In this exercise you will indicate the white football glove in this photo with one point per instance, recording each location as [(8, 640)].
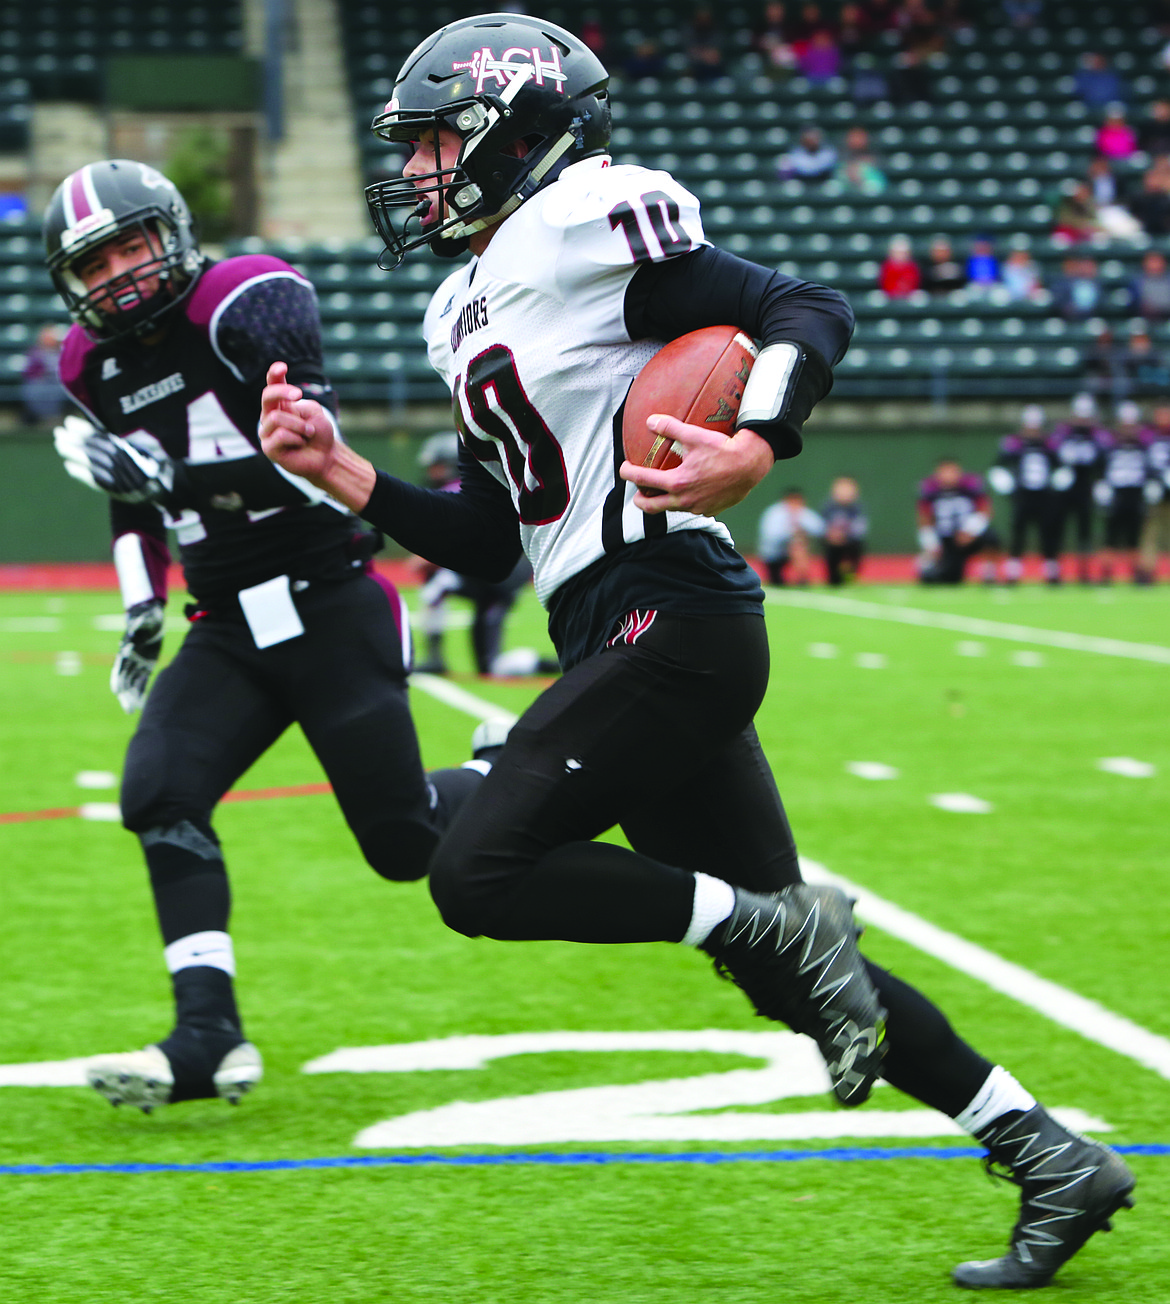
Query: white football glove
[(1103, 493), (1153, 492), (111, 464), (138, 653), (1062, 478), (1001, 480)]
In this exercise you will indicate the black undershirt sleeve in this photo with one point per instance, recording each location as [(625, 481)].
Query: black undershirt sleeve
[(710, 287), (474, 531)]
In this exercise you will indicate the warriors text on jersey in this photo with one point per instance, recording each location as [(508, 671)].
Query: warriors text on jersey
[(194, 393), (532, 340)]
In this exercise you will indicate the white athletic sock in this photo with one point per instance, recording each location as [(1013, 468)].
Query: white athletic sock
[(211, 948), (714, 901), (999, 1095)]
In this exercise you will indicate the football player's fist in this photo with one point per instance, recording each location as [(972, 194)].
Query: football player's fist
[(298, 435)]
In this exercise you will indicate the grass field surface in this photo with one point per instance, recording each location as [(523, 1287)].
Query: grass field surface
[(990, 767)]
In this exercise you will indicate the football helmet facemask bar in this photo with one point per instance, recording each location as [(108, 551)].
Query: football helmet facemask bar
[(526, 99), (113, 198)]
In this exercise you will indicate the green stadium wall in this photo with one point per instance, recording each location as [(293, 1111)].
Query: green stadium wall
[(46, 516)]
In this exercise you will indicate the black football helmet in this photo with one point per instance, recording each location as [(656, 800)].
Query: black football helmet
[(105, 199), (495, 79)]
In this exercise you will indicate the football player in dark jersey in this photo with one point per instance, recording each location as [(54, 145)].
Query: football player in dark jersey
[(1025, 471), (581, 268), (1156, 529), (954, 525), (1079, 443), (1126, 476), (289, 621)]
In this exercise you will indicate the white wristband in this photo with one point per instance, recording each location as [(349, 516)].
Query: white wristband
[(769, 387), (133, 577)]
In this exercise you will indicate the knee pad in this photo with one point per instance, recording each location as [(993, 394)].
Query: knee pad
[(179, 849), (399, 850)]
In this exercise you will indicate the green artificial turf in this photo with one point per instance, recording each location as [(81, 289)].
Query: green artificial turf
[(1066, 875)]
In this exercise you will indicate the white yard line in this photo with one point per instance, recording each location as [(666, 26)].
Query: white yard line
[(1057, 1003), (443, 690), (1109, 647)]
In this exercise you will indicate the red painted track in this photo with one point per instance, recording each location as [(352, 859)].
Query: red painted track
[(240, 794)]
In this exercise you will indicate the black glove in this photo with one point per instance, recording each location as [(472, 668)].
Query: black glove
[(138, 653), (113, 464)]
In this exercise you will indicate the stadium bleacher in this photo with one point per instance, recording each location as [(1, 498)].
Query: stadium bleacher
[(986, 157)]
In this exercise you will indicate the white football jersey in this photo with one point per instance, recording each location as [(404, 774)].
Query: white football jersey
[(531, 339)]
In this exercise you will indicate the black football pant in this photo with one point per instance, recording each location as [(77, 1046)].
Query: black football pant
[(222, 702), (1034, 509), (656, 737)]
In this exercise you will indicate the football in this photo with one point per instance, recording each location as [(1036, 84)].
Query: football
[(698, 378)]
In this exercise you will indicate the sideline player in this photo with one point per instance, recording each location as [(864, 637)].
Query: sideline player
[(289, 621), (1028, 472), (581, 270), (954, 525)]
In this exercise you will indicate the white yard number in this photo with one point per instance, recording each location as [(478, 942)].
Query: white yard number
[(662, 1110)]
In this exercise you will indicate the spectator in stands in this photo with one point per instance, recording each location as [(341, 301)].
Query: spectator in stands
[(1076, 217), (982, 266), (899, 276), (807, 22), (1022, 13), (1096, 83), (786, 531), (1150, 288), (921, 28), (42, 396), (1099, 365), (911, 79), (592, 34), (853, 32), (1021, 276), (645, 61), (1151, 206), (1116, 139), (820, 59), (943, 272), (846, 526), (1102, 183), (1154, 133), (705, 49), (773, 42), (1142, 367), (867, 82), (858, 169), (813, 159), (1076, 293)]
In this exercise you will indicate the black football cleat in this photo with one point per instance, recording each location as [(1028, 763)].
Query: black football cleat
[(794, 954), (1070, 1188)]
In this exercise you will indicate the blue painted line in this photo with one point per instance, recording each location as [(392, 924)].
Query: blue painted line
[(837, 1155)]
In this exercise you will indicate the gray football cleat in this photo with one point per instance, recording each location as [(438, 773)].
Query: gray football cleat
[(1070, 1187), (145, 1079), (794, 953)]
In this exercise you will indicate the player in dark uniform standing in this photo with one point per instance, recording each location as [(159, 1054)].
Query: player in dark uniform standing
[(289, 622), (954, 525), (1023, 472), (581, 269), (1080, 444), (1156, 529), (1121, 492)]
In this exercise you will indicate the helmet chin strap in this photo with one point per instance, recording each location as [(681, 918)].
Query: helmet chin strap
[(513, 202)]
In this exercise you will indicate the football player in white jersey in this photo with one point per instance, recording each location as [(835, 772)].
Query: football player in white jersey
[(581, 269)]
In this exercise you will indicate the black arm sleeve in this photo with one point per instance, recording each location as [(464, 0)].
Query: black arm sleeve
[(711, 287), (277, 320), (474, 531)]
